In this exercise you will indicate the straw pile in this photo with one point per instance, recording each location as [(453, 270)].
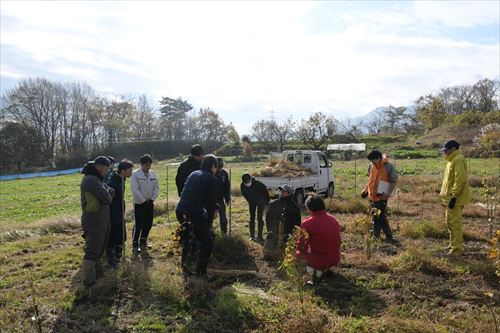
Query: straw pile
[(283, 169)]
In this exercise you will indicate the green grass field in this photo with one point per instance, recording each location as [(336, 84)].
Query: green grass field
[(409, 288)]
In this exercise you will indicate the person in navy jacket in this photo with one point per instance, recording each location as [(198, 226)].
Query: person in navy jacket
[(198, 205), (117, 233)]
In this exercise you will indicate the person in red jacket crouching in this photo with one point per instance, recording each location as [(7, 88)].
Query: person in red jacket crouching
[(319, 243)]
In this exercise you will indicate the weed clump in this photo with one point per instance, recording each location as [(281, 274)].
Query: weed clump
[(351, 206), (425, 229), (417, 259)]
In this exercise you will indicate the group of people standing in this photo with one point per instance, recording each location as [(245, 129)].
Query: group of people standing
[(204, 189), (102, 193)]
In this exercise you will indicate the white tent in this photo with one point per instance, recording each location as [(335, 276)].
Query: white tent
[(347, 146)]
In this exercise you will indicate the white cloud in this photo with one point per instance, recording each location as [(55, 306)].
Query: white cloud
[(242, 58)]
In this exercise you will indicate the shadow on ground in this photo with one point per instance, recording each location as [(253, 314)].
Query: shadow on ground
[(96, 309), (347, 298)]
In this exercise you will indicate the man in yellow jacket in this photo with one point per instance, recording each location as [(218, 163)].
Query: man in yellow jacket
[(455, 193)]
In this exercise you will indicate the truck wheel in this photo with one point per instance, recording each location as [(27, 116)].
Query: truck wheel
[(330, 191), (299, 197)]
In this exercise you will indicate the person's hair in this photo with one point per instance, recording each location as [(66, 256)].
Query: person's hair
[(374, 155), (146, 158), (197, 150), (220, 162), (208, 162), (124, 165), (246, 177), (315, 203)]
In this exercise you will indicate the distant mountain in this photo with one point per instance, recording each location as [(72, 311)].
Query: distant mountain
[(374, 114)]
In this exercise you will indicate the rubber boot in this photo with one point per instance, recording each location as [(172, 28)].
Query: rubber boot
[(118, 253), (201, 271), (260, 230), (110, 256), (88, 270), (99, 270)]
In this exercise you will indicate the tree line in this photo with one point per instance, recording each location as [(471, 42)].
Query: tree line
[(42, 118), (468, 103)]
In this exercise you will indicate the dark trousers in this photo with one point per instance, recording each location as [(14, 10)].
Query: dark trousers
[(259, 206), (222, 217), (205, 238), (117, 232), (143, 215), (380, 221), (95, 233)]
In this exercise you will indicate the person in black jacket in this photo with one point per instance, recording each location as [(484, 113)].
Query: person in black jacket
[(282, 216), (192, 163), (224, 194), (117, 233), (198, 206), (257, 196)]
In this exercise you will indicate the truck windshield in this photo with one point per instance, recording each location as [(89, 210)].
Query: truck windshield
[(323, 163)]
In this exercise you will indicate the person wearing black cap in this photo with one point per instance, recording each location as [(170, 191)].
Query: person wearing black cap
[(455, 193), (145, 189), (192, 163), (257, 196), (114, 249), (224, 193), (282, 216), (198, 206), (95, 199)]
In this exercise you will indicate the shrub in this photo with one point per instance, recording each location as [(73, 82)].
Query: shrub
[(230, 150), (230, 249), (477, 118), (411, 154), (489, 137), (469, 118)]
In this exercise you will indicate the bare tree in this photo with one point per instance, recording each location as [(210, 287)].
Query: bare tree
[(486, 93), (351, 129), (316, 130), (282, 132), (37, 103), (143, 123), (376, 124), (392, 118), (262, 131)]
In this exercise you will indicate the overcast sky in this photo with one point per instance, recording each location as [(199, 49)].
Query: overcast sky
[(244, 58)]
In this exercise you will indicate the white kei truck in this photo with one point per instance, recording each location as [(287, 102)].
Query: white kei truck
[(320, 181)]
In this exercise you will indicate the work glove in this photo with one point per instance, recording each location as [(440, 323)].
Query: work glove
[(364, 194), (452, 203)]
